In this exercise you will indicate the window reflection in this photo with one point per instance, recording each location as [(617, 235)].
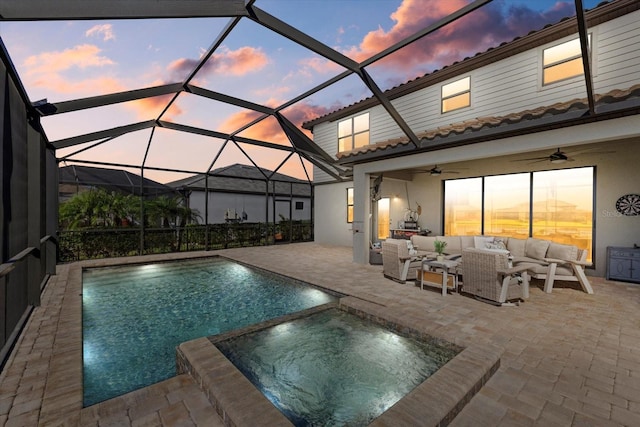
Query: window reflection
[(463, 206), (506, 205), (563, 206)]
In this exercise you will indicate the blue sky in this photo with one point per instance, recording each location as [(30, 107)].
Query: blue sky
[(69, 60)]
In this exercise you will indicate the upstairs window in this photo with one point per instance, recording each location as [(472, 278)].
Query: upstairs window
[(353, 132), (562, 61), (456, 95)]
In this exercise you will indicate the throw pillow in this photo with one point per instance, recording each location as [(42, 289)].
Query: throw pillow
[(480, 242), (516, 246), (566, 252), (497, 244), (536, 248)]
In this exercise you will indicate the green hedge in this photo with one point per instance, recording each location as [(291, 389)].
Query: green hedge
[(75, 245)]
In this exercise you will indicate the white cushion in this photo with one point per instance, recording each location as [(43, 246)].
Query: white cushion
[(480, 242), (516, 246), (559, 251), (536, 248)]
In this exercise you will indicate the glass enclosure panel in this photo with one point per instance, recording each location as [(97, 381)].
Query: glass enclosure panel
[(361, 139), (460, 101), (563, 206), (462, 85), (361, 123), (506, 205), (463, 206), (383, 218), (563, 71)]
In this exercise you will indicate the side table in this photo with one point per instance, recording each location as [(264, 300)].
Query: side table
[(439, 273)]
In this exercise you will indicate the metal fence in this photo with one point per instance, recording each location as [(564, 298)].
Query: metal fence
[(27, 211), (76, 245)]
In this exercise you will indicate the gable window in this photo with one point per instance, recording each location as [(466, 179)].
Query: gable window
[(353, 132), (562, 61), (350, 205), (456, 95)]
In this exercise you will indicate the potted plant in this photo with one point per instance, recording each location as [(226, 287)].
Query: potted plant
[(439, 246)]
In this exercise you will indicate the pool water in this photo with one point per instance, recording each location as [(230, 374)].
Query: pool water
[(334, 368), (135, 316)]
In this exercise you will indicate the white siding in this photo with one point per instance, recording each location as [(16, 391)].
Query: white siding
[(325, 135), (618, 64)]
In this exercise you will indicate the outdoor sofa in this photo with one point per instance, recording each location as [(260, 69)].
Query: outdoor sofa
[(544, 259)]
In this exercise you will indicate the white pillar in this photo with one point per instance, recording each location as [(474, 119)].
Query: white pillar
[(361, 211)]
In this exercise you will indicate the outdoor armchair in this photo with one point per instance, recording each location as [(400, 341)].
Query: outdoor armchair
[(487, 275), (397, 263)]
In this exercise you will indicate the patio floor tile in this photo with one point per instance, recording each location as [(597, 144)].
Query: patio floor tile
[(567, 358)]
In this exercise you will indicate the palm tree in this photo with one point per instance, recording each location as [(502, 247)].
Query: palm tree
[(98, 208), (171, 212)]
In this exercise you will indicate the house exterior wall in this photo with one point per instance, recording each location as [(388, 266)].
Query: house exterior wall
[(616, 169), (252, 204), (510, 85), (615, 63), (330, 219), (618, 61)]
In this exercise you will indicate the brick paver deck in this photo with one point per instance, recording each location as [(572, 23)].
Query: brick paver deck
[(566, 358)]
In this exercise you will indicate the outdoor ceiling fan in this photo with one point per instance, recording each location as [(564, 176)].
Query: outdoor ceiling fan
[(435, 171), (559, 156)]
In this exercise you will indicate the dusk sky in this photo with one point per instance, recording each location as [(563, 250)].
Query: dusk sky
[(68, 60)]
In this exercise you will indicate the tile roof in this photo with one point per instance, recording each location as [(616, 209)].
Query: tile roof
[(480, 123), (245, 179), (110, 179)]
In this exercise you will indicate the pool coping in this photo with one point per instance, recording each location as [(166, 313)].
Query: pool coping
[(435, 402)]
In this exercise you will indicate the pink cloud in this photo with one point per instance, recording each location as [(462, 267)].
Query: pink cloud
[(235, 62), (320, 65), (148, 108), (61, 85), (270, 130), (105, 31), (486, 27), (81, 56)]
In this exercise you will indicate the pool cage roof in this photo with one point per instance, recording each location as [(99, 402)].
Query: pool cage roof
[(183, 102)]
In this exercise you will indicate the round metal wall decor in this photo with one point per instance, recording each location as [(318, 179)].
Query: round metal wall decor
[(629, 204)]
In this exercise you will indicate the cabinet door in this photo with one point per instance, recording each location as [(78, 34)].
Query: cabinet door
[(635, 269), (619, 268)]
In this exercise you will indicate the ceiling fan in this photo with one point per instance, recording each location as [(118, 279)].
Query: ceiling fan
[(560, 156), (435, 171)]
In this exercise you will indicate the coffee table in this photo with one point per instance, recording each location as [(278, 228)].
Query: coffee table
[(439, 273)]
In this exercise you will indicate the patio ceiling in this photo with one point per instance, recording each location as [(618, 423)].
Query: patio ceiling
[(158, 142)]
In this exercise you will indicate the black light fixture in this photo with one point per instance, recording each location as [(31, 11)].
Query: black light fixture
[(558, 157), (435, 171)]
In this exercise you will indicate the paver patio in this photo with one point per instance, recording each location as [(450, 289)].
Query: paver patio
[(567, 358)]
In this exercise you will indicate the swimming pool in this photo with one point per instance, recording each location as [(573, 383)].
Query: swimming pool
[(435, 401), (334, 368), (134, 316)]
